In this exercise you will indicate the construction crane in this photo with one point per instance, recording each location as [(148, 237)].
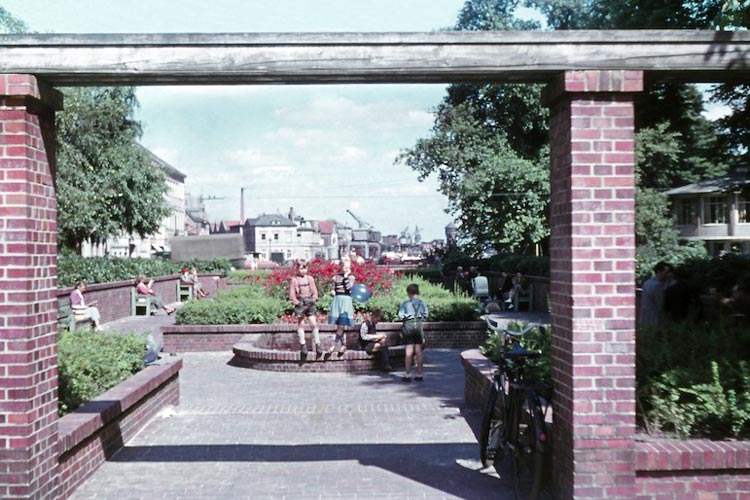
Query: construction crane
[(417, 234), (363, 224)]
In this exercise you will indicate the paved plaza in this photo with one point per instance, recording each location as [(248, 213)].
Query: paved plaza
[(246, 434)]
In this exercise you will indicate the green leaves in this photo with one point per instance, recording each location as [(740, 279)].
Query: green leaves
[(499, 197), (90, 363), (106, 185)]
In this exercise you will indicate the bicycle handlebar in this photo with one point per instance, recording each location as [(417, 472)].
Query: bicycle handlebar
[(495, 325)]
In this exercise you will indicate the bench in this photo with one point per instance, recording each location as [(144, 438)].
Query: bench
[(67, 319), (140, 305), (184, 291), (526, 297)]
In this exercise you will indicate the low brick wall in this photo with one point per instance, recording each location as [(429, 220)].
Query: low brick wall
[(113, 299), (693, 469), (199, 338), (94, 432), (665, 469)]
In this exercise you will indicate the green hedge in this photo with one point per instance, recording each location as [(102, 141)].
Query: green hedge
[(251, 303), (90, 363), (694, 380), (72, 268)]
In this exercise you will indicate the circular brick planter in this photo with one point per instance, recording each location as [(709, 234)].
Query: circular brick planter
[(280, 352)]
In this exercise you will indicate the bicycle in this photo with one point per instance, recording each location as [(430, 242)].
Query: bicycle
[(514, 419)]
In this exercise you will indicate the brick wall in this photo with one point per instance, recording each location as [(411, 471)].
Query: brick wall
[(98, 429), (113, 299), (28, 315), (199, 338), (592, 250), (694, 469), (665, 469)]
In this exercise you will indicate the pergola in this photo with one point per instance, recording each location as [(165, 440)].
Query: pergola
[(592, 78)]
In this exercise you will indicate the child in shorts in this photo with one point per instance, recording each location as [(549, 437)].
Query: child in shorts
[(303, 294), (372, 342), (412, 312)]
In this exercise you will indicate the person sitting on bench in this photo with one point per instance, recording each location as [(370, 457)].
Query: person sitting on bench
[(80, 309), (145, 289)]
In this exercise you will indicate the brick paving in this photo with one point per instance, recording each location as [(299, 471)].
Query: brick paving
[(246, 434)]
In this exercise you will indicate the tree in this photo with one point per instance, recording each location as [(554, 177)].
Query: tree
[(499, 197), (488, 150), (106, 185)]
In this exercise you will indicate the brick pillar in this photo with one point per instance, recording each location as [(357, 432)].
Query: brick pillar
[(28, 279), (592, 251)]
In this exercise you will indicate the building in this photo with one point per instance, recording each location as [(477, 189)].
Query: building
[(277, 238), (129, 245), (196, 218), (716, 211)]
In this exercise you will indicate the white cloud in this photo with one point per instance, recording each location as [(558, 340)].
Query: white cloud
[(342, 112), (256, 158)]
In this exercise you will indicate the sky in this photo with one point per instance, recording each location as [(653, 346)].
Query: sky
[(321, 149)]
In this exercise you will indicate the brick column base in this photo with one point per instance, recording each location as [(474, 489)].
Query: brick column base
[(592, 250), (28, 298)]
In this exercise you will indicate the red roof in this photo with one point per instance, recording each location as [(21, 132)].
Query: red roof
[(326, 226), (231, 223)]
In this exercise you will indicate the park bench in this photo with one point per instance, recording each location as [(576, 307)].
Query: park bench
[(140, 305), (526, 296), (66, 318), (184, 291)]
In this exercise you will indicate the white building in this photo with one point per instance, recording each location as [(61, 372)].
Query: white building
[(172, 225), (716, 211), (277, 238)]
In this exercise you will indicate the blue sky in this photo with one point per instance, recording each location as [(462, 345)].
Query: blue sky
[(321, 149)]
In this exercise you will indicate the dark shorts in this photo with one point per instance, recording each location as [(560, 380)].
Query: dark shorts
[(305, 308), (411, 332), (368, 346)]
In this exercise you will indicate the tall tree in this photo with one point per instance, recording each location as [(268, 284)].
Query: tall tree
[(106, 185), (499, 197), (488, 150)]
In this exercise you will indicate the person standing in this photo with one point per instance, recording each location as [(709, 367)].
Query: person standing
[(304, 294), (342, 309), (412, 313), (82, 310), (652, 295)]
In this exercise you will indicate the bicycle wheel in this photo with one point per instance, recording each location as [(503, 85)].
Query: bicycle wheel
[(527, 444), (493, 425)]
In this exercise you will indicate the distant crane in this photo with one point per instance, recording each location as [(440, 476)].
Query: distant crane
[(405, 238), (417, 235), (202, 198), (363, 224)]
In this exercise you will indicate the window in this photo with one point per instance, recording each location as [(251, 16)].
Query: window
[(717, 210), (262, 236), (275, 236), (288, 254), (743, 207), (686, 213)]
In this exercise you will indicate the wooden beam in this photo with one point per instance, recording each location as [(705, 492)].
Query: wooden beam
[(153, 59)]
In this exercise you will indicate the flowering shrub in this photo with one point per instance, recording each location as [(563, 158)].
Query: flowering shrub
[(379, 279)]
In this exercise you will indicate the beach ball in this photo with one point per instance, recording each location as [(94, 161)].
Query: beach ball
[(361, 293)]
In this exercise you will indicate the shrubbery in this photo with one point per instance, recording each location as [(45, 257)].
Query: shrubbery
[(538, 339), (90, 363), (694, 380), (264, 299), (72, 268)]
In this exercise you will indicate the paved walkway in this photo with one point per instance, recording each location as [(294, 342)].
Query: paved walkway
[(245, 434)]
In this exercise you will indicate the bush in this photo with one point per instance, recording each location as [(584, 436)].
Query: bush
[(538, 339), (256, 302), (694, 380), (90, 363), (72, 268)]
